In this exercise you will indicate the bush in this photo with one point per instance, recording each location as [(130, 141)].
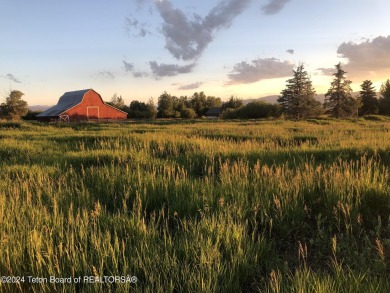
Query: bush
[(229, 113), (254, 110), (141, 110), (10, 125), (374, 118), (188, 113), (31, 115)]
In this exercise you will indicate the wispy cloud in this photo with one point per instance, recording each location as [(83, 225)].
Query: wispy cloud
[(274, 6), (162, 70), (130, 68), (187, 35), (327, 71), (140, 74), (259, 69), (186, 38), (106, 74), (136, 28), (290, 51), (12, 77), (190, 86), (141, 1)]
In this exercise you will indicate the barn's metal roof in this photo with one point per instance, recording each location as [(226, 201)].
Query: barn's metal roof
[(67, 101)]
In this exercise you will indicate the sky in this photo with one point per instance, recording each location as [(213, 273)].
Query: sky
[(140, 48)]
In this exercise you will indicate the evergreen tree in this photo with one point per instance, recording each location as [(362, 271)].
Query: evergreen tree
[(338, 100), (384, 102), (297, 101), (368, 99), (14, 107)]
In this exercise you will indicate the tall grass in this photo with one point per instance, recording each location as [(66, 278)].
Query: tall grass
[(258, 206)]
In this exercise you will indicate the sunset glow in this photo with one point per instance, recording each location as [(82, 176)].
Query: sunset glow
[(140, 48)]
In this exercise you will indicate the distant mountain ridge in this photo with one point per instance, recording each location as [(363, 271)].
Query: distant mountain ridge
[(39, 107), (273, 99)]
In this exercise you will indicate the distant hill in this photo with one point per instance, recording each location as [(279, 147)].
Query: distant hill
[(267, 99), (274, 98), (39, 107)]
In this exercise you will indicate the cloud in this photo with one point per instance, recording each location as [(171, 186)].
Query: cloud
[(290, 51), (274, 6), (368, 57), (327, 71), (12, 77), (132, 24), (186, 38), (139, 74), (128, 67), (259, 69), (106, 74), (161, 70), (141, 1), (190, 86)]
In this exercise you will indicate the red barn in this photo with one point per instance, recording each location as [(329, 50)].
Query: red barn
[(81, 106)]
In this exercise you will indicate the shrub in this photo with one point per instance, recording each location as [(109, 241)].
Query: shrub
[(188, 113), (254, 110), (10, 125), (374, 117)]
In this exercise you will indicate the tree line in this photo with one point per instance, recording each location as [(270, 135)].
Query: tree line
[(297, 101), (170, 106)]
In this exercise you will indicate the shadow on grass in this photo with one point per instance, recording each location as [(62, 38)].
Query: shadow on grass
[(199, 165), (279, 141)]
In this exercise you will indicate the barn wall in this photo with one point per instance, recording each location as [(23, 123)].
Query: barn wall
[(93, 107)]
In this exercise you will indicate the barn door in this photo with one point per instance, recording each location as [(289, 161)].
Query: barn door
[(93, 112)]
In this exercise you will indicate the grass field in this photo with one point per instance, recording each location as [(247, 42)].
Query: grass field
[(196, 206)]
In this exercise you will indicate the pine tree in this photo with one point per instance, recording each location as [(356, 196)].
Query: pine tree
[(338, 100), (298, 99), (384, 102), (368, 99)]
